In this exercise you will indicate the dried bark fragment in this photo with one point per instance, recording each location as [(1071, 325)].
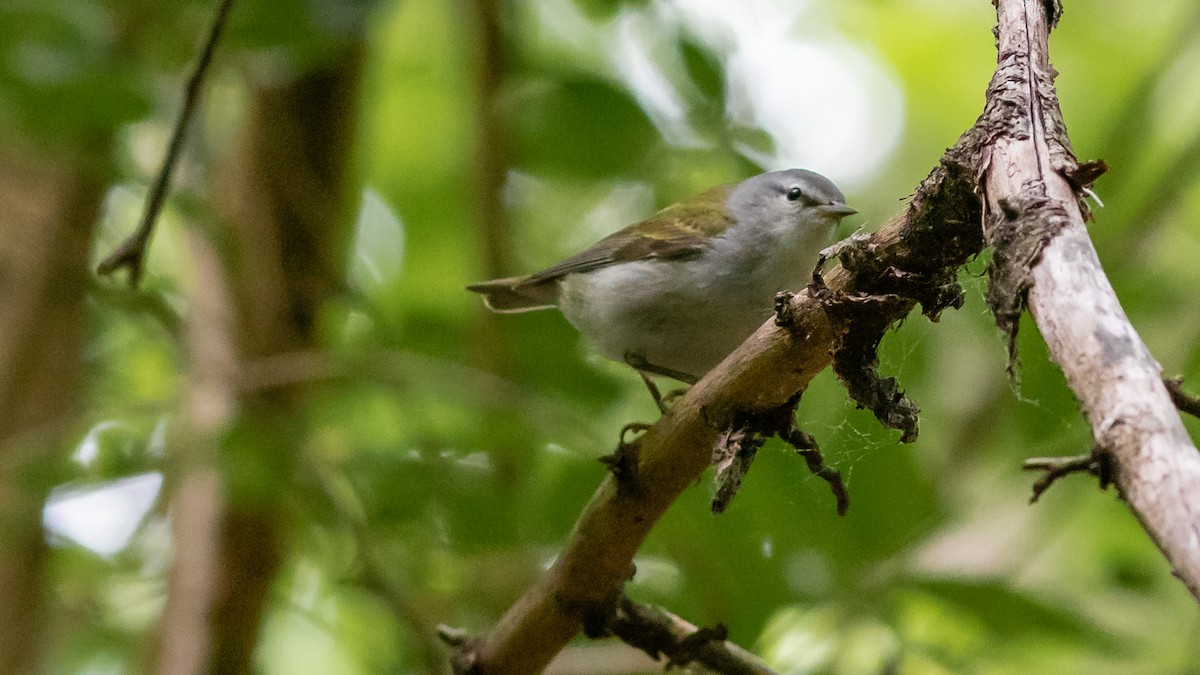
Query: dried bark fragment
[(1018, 234)]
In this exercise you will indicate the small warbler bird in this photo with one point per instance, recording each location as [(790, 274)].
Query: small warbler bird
[(674, 294)]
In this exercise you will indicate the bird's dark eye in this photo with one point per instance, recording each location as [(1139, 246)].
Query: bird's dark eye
[(794, 194)]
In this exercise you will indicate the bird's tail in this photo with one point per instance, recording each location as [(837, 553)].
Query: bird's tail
[(515, 294)]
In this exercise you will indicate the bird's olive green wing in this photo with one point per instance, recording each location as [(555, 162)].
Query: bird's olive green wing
[(679, 231)]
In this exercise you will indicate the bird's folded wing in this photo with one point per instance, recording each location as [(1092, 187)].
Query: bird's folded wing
[(677, 232)]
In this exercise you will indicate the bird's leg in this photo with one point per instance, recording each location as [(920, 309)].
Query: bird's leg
[(668, 399), (639, 362), (654, 392), (642, 366)]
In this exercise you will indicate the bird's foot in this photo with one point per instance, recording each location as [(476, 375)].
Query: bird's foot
[(645, 369)]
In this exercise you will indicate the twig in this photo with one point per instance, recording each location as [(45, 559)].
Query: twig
[(622, 463), (806, 447), (1097, 463), (660, 633), (131, 252), (782, 423), (1184, 401)]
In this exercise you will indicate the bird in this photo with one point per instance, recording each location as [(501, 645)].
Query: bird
[(674, 294)]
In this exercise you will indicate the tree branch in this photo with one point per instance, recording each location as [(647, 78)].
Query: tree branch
[(185, 644), (1186, 402), (1035, 220), (131, 252), (1097, 463)]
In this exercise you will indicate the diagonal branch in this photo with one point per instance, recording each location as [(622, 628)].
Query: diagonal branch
[(198, 499), (131, 252), (1034, 218)]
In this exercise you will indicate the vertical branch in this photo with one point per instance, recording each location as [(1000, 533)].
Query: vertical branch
[(1034, 219), (185, 648), (491, 147), (51, 205)]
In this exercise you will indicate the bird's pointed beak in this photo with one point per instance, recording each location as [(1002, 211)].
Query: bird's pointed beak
[(839, 210)]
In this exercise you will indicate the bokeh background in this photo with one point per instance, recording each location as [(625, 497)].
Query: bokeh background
[(394, 457)]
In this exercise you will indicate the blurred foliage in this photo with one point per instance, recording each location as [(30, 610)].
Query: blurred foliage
[(466, 444)]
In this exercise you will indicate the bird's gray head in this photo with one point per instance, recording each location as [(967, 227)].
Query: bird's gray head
[(787, 199)]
